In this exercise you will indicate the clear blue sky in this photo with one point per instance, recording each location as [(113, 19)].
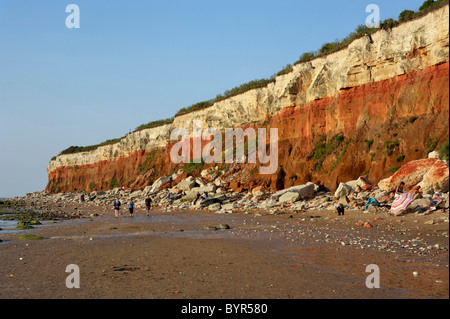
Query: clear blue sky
[(132, 62)]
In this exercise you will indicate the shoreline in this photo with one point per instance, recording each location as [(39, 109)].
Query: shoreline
[(287, 255)]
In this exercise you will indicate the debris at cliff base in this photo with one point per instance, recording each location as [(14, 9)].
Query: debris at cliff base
[(195, 194), (211, 193)]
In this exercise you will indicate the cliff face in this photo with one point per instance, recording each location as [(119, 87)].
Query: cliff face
[(365, 109)]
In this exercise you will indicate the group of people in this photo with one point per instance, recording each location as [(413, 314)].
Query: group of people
[(117, 204), (402, 198), (433, 204), (148, 203)]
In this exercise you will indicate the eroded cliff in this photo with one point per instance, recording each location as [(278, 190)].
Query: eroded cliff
[(366, 109)]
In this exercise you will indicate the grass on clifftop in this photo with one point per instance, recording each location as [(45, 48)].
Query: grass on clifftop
[(326, 49), (79, 149), (255, 84), (154, 124), (363, 30)]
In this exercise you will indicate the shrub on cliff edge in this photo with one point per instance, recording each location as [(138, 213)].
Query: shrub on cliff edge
[(444, 151), (406, 15)]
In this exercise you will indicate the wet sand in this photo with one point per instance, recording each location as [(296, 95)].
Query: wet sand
[(179, 255)]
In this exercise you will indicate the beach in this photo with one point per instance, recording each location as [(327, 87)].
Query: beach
[(185, 158), (251, 254)]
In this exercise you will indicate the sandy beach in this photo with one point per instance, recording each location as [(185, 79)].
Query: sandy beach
[(194, 255), (280, 152)]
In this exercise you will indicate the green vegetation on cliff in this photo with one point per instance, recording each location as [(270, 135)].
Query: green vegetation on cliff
[(324, 148), (154, 124), (444, 153), (255, 84), (363, 30), (79, 149)]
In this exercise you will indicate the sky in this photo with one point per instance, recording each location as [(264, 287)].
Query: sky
[(132, 62)]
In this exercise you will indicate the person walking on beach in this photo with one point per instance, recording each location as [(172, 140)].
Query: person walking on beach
[(131, 207), (148, 203), (116, 207)]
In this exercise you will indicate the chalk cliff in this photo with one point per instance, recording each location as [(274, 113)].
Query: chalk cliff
[(380, 102)]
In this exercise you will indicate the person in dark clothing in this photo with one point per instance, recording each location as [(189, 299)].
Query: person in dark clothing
[(116, 207), (197, 197), (400, 188), (148, 204), (131, 207)]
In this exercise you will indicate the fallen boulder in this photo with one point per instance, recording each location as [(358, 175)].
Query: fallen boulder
[(189, 197), (436, 179), (203, 189), (200, 182), (156, 186), (343, 190), (289, 197), (431, 174), (214, 206), (187, 184), (220, 183), (208, 189), (211, 200), (306, 190), (364, 183), (353, 184), (420, 202), (344, 201), (258, 191)]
